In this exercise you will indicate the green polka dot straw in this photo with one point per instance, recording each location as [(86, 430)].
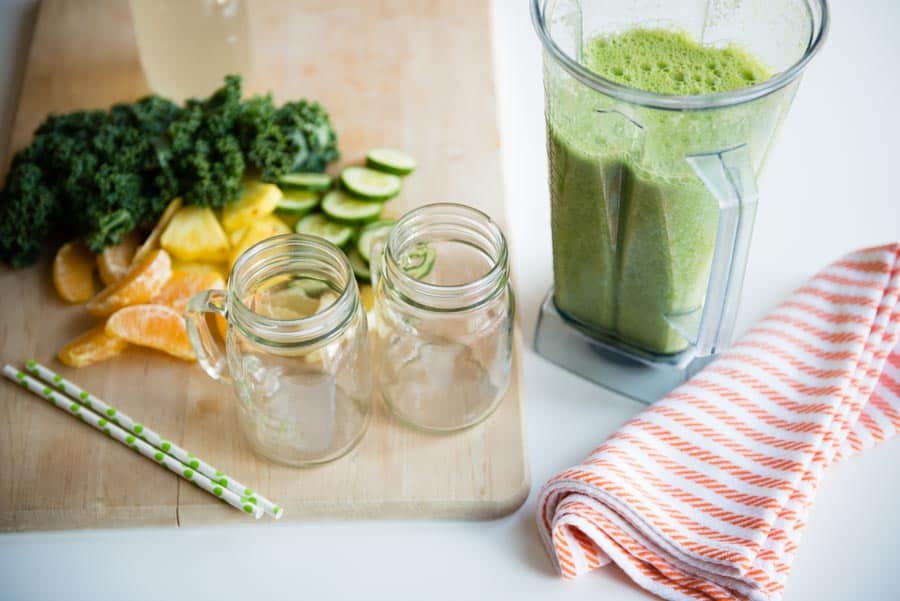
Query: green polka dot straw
[(93, 411)]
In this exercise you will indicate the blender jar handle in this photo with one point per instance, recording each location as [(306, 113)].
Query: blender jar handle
[(729, 176), (209, 354)]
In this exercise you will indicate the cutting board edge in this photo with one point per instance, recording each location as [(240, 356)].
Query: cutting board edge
[(58, 520), (54, 520), (427, 509)]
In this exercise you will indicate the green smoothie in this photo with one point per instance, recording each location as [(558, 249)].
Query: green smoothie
[(634, 227)]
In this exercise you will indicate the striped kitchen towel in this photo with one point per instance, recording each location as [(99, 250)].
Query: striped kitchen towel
[(704, 494)]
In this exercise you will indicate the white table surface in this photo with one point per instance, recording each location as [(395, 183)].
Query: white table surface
[(830, 188)]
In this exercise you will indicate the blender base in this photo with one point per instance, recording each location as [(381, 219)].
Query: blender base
[(641, 376)]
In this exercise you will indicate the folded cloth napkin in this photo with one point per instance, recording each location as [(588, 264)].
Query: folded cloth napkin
[(704, 494)]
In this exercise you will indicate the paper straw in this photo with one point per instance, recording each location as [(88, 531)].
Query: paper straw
[(197, 464), (82, 412)]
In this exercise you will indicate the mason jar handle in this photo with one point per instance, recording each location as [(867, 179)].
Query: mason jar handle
[(209, 353), (376, 258)]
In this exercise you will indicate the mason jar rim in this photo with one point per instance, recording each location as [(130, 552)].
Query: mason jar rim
[(304, 330), (675, 102), (453, 297)]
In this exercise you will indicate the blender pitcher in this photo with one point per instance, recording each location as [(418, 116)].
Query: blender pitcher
[(653, 196)]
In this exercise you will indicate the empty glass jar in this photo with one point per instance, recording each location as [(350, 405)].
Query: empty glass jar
[(443, 317), (295, 349)]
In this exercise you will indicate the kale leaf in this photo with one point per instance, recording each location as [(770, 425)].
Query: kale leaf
[(101, 174)]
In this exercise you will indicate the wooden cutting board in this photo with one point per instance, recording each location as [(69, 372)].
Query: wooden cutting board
[(410, 74)]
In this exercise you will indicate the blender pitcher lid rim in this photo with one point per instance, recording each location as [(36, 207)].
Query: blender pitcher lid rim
[(674, 102)]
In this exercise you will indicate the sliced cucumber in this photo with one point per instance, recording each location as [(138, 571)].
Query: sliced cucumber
[(344, 208), (390, 161), (418, 262), (319, 225), (370, 184), (360, 266), (297, 202), (312, 287), (305, 181), (370, 233)]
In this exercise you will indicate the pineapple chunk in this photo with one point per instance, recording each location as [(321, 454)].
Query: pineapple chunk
[(198, 267), (257, 199), (194, 234), (235, 237), (152, 241), (259, 230)]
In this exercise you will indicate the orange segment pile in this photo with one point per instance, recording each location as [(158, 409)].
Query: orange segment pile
[(91, 347), (149, 283), (113, 263), (73, 272), (183, 285), (142, 283), (155, 326)]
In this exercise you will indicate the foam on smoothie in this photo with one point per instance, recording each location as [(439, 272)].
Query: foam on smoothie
[(668, 62)]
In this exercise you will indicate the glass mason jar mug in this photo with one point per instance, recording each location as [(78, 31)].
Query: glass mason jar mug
[(443, 317), (296, 348)]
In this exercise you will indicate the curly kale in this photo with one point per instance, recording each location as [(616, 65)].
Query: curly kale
[(295, 137), (112, 187), (206, 155), (27, 221), (101, 174)]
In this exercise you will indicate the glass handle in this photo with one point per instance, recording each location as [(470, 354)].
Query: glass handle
[(209, 354), (376, 258), (729, 176)]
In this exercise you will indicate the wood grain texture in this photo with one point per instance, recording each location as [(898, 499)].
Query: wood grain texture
[(410, 74)]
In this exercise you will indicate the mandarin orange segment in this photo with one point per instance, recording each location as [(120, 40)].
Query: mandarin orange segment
[(142, 282), (93, 346), (114, 261), (152, 241), (222, 326), (183, 285), (73, 272), (154, 326)]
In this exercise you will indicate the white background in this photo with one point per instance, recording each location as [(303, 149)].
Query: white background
[(830, 188)]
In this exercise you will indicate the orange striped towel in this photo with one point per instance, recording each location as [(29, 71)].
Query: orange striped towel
[(704, 494)]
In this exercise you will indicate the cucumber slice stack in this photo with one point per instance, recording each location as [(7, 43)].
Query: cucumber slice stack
[(297, 202), (390, 161), (318, 224), (315, 182), (343, 208), (351, 208), (369, 184)]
